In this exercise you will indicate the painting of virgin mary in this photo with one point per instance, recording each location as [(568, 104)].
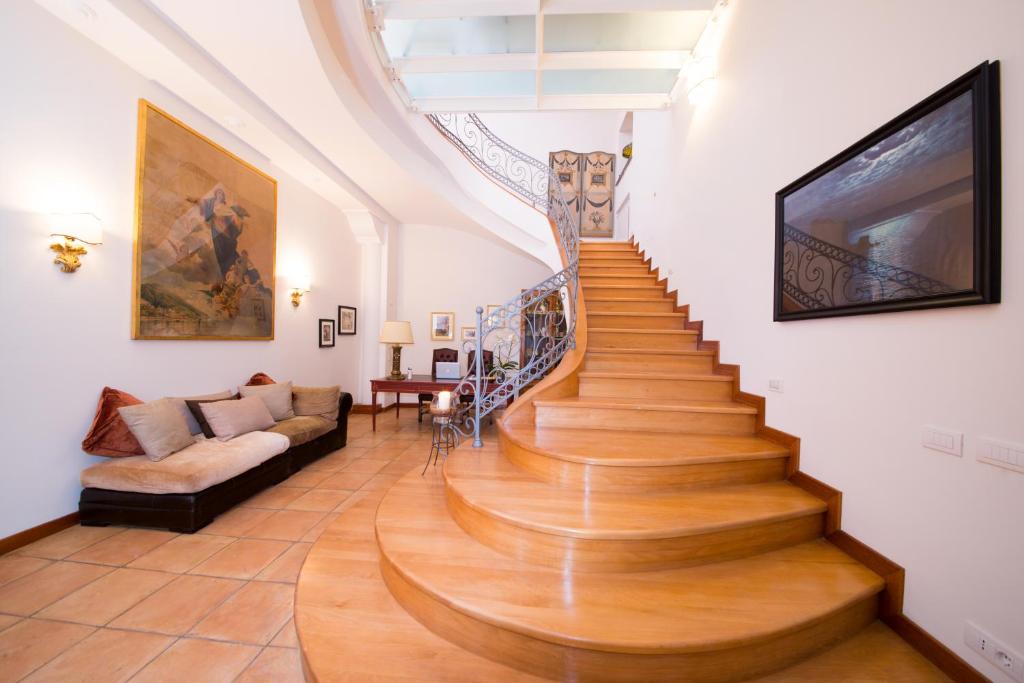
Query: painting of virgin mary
[(204, 238)]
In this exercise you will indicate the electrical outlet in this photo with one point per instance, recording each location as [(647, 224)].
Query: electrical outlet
[(1001, 454), (1003, 658), (943, 440), (775, 385)]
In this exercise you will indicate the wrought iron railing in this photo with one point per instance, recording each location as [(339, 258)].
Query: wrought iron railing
[(520, 341), (817, 274)]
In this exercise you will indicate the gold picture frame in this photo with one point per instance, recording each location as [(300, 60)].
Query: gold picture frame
[(469, 333), (205, 237), (442, 326), (490, 311)]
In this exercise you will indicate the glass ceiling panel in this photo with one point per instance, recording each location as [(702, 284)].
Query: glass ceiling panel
[(632, 31), (459, 36), (471, 84), (609, 81)]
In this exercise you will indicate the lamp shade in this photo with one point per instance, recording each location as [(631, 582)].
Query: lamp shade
[(300, 282), (84, 227), (396, 332)]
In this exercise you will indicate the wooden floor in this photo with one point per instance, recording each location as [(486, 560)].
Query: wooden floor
[(628, 520)]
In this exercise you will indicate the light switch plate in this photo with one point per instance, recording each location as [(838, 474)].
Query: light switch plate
[(944, 440), (1001, 454), (775, 385)]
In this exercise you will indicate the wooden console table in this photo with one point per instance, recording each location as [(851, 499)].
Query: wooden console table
[(419, 384)]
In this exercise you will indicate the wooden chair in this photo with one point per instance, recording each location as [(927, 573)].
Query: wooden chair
[(440, 356)]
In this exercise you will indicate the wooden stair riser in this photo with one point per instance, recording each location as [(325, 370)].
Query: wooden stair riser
[(630, 554), (591, 270), (642, 479), (647, 280), (595, 305), (587, 248), (631, 321), (649, 419), (632, 362), (564, 662), (643, 389), (613, 262), (612, 291), (625, 339)]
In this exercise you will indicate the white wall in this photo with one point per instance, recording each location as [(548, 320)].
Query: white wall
[(799, 80), (446, 269), (67, 143)]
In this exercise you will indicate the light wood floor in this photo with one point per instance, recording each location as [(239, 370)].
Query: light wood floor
[(628, 520)]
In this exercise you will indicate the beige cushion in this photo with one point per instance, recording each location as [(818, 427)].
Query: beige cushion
[(322, 401), (203, 464), (278, 398), (229, 419), (179, 403), (159, 426), (303, 429)]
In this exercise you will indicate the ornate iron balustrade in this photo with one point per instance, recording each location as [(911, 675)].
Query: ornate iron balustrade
[(817, 274), (526, 336), (517, 172)]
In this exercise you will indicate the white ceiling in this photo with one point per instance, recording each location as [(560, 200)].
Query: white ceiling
[(507, 55)]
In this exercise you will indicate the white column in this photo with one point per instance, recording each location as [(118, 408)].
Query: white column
[(375, 238)]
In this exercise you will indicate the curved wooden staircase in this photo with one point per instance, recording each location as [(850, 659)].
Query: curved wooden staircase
[(633, 521)]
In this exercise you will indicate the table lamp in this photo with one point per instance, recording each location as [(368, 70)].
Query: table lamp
[(397, 333)]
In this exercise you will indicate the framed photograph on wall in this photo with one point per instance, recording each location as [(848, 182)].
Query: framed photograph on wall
[(469, 333), (442, 326), (326, 333), (906, 218), (346, 320), (489, 314)]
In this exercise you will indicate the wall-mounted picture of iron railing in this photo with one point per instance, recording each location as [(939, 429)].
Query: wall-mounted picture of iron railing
[(906, 218)]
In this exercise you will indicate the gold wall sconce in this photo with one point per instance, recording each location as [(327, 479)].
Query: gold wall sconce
[(76, 229), (300, 286)]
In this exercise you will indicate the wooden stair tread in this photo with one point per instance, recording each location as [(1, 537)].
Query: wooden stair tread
[(634, 330), (680, 405), (487, 481), (655, 376), (694, 609), (624, 287), (648, 352), (636, 314), (642, 448)]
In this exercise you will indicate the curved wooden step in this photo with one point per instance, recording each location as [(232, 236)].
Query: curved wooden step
[(662, 415), (622, 460), (716, 622), (523, 517), (606, 358), (593, 247), (614, 268), (646, 385), (644, 280), (659, 320)]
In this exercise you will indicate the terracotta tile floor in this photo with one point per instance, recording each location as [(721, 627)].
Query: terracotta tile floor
[(115, 604)]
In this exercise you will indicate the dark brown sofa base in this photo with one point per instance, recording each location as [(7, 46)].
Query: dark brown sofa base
[(189, 512)]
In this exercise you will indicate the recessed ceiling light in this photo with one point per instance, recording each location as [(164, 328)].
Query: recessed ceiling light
[(87, 12)]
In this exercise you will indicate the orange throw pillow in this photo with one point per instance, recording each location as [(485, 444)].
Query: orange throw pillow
[(259, 379), (109, 434)]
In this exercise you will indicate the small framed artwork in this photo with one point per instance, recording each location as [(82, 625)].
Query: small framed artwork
[(442, 326), (346, 320), (469, 333), (907, 218), (326, 333), (490, 316)]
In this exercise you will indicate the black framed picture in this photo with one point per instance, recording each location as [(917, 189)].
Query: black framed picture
[(325, 332), (346, 320), (906, 218)]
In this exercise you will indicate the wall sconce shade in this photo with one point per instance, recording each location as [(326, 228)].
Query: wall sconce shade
[(75, 229), (300, 285)]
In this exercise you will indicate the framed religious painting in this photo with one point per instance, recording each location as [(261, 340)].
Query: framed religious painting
[(205, 237), (904, 219)]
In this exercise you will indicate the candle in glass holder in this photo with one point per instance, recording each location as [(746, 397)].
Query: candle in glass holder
[(444, 400)]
